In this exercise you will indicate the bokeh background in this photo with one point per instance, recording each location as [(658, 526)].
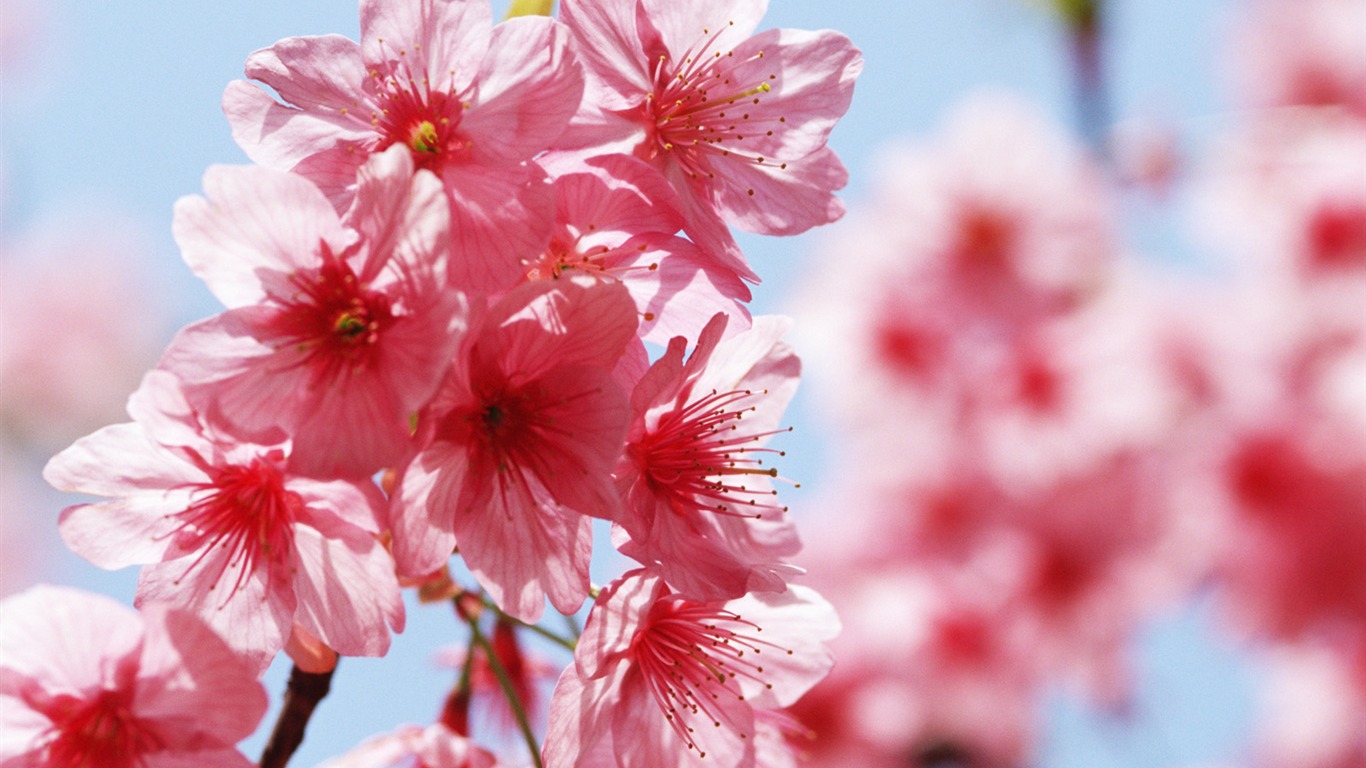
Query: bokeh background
[(111, 113)]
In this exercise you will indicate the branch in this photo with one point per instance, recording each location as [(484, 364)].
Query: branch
[(302, 695)]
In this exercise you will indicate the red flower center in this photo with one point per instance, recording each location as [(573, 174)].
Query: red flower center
[(98, 733), (691, 654), (1337, 236), (698, 457), (703, 105), (415, 114), (335, 320), (246, 511)]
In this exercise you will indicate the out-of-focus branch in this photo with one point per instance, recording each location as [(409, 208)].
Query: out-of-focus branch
[(302, 694), (1086, 34)]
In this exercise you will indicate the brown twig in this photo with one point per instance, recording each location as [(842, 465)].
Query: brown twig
[(302, 694)]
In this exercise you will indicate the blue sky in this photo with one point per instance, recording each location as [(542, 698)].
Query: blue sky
[(119, 110)]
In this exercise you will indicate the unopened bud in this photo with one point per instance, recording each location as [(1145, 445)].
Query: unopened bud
[(469, 606)]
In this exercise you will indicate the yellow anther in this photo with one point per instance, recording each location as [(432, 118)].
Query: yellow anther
[(425, 138)]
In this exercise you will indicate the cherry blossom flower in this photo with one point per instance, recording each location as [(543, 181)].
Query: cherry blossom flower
[(1301, 52), (616, 218), (1284, 201), (699, 503), (929, 668), (964, 252), (411, 746), (661, 680), (337, 331), (518, 444), (471, 102), (89, 682), (737, 121), (229, 531)]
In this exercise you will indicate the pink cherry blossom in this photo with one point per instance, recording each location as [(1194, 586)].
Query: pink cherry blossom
[(337, 331), (1301, 52), (699, 504), (518, 444), (1284, 200), (965, 250), (616, 218), (928, 668), (435, 746), (471, 102), (737, 121), (229, 530), (661, 680), (89, 682), (1293, 560)]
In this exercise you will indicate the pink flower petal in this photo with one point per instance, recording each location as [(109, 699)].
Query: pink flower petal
[(426, 36), (193, 685), (115, 460), (530, 85), (117, 534), (608, 41), (523, 550), (319, 74), (283, 137), (254, 619), (423, 511), (254, 229), (782, 201), (347, 592), (501, 217), (685, 24)]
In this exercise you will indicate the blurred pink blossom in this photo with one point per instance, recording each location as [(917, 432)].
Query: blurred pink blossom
[(90, 682)]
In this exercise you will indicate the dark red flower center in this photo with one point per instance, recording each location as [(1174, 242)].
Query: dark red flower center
[(1337, 236), (98, 733)]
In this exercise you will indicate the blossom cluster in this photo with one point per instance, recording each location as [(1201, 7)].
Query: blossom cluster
[(1076, 438), (440, 277)]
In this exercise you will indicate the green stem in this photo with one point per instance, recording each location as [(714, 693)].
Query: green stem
[(564, 642), (505, 682)]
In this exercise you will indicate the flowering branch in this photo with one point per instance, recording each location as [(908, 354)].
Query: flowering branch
[(302, 694)]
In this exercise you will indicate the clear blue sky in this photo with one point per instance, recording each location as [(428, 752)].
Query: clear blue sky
[(120, 110)]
